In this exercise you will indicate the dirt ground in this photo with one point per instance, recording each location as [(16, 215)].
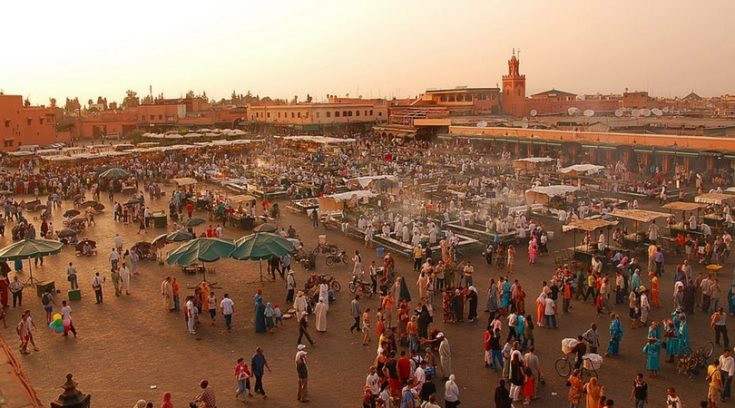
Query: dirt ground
[(130, 348)]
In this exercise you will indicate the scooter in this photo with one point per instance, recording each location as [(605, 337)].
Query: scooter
[(359, 284)]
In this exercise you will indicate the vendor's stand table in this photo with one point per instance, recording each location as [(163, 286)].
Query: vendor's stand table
[(159, 219)]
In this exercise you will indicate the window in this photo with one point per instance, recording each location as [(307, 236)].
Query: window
[(443, 98), (8, 143), (292, 115), (452, 98), (40, 120), (7, 122), (153, 117), (268, 114), (336, 114), (317, 115), (298, 114), (519, 92), (160, 117), (380, 113), (371, 112), (279, 114), (306, 114), (28, 121), (329, 114), (357, 113), (365, 112)]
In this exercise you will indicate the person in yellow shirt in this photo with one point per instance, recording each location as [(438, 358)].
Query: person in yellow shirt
[(714, 381)]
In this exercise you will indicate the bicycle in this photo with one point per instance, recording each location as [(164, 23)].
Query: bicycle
[(564, 366)]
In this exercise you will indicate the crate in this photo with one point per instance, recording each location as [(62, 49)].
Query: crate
[(45, 286), (74, 294)]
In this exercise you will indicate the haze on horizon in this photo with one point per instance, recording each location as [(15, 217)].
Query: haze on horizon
[(375, 48)]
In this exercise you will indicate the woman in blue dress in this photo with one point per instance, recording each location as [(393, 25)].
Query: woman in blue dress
[(672, 339), (505, 297), (260, 326), (683, 335), (652, 351), (616, 334)]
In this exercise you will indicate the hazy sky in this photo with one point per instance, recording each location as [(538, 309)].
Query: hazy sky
[(371, 48)]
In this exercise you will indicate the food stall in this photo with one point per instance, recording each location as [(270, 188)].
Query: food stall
[(683, 227), (638, 238), (592, 228)]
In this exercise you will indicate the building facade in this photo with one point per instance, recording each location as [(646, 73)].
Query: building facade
[(318, 114), (26, 125)]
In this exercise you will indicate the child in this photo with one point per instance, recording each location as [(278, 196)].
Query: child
[(278, 315), (269, 313), (242, 375), (529, 387)]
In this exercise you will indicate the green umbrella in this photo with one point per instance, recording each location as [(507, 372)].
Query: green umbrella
[(179, 236), (114, 173), (202, 250), (30, 248), (194, 222), (261, 245), (266, 227)]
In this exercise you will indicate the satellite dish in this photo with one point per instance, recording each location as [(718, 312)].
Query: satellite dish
[(482, 124), (619, 112), (524, 124), (571, 111), (589, 113), (646, 112), (525, 119), (635, 113), (666, 109), (657, 111), (534, 112)]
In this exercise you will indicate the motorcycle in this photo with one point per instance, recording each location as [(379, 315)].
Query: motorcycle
[(317, 280), (359, 284), (337, 258), (325, 249)]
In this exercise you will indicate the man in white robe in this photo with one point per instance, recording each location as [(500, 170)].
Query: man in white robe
[(321, 316)]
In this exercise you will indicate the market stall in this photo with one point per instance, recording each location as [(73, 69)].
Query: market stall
[(592, 228), (683, 227), (638, 238)]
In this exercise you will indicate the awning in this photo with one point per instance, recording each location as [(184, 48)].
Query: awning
[(684, 206), (714, 198), (184, 181), (589, 225), (640, 215)]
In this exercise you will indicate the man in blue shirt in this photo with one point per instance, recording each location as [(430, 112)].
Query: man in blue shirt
[(258, 364)]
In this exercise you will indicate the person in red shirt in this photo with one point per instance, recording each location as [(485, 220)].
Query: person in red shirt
[(189, 209), (210, 232), (486, 344), (404, 367)]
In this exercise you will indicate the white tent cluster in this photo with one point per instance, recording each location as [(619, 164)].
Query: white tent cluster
[(318, 139), (194, 135)]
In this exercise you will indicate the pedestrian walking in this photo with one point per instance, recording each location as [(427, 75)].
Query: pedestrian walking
[(97, 283), (66, 319), (718, 322), (71, 276), (16, 289), (356, 313), (227, 306), (727, 371), (242, 376), (302, 371), (259, 364), (303, 326), (639, 393)]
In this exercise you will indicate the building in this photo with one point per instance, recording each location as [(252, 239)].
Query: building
[(516, 103), (462, 101), (315, 116), (635, 150), (637, 100), (514, 89), (26, 125)]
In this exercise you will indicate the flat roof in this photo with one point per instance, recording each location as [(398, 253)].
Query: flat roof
[(451, 90)]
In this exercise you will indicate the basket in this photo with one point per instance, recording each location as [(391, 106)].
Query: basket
[(568, 344)]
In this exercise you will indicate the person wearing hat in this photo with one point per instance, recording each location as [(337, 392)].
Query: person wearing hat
[(302, 371), (300, 303), (303, 324), (653, 351)]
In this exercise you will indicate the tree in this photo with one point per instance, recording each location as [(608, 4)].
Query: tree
[(52, 102), (190, 94), (131, 99)]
